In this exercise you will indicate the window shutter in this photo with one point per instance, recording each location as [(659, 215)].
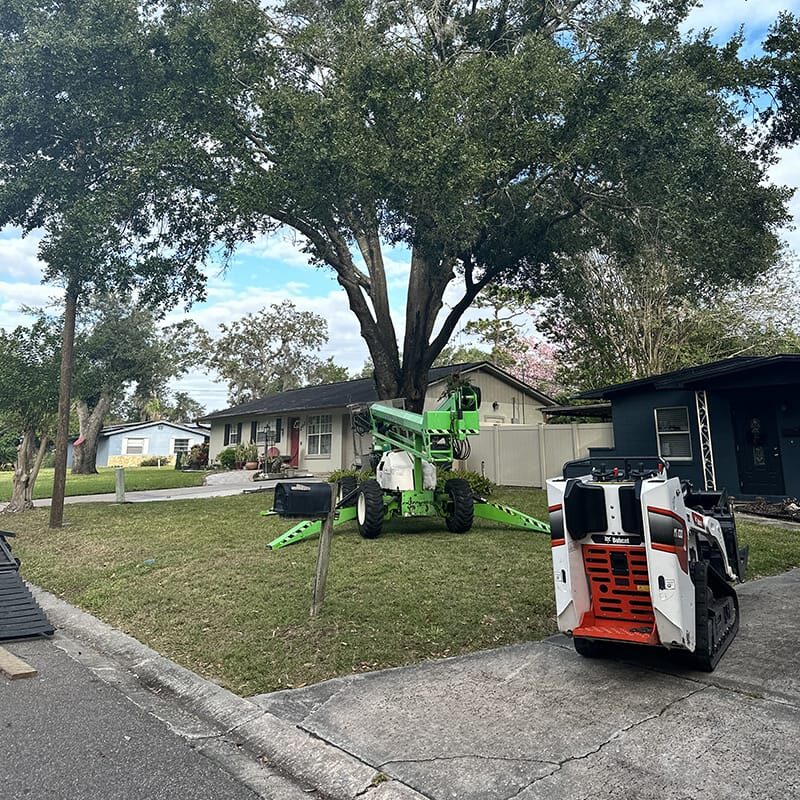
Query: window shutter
[(226, 439), (278, 429), (253, 431), (239, 433)]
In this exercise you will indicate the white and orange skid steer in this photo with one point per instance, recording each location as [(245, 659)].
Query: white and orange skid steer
[(640, 558)]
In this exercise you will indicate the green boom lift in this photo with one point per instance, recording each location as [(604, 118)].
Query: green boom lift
[(406, 450)]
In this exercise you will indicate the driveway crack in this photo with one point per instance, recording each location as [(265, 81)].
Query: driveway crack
[(614, 736), (324, 703), (477, 757)]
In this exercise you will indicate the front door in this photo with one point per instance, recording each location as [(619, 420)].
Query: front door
[(294, 442), (758, 448)]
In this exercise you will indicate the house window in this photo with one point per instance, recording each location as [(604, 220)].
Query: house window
[(180, 446), (318, 435), (135, 447), (269, 433), (236, 434), (672, 433)]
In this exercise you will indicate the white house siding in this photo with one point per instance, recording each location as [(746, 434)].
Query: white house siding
[(513, 404), (314, 463)]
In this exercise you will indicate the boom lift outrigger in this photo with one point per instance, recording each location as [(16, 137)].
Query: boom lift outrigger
[(407, 450)]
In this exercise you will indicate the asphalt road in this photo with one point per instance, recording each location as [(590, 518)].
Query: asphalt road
[(68, 735)]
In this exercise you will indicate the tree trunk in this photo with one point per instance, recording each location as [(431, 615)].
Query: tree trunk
[(84, 455), (23, 466), (26, 471), (64, 393)]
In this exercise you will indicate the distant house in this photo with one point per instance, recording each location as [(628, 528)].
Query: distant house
[(129, 444), (311, 426), (731, 424)]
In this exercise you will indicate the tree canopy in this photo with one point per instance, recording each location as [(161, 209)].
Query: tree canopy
[(615, 321), (272, 351), (87, 155), (487, 137), (119, 347), (29, 364)]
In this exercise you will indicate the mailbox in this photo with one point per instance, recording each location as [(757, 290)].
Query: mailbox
[(303, 500)]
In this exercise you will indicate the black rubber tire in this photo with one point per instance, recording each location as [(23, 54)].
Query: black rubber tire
[(347, 485), (588, 648), (460, 509), (369, 505)]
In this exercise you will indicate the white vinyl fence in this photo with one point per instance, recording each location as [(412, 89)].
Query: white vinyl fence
[(526, 455)]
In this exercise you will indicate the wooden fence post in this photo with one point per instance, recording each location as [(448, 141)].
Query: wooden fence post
[(120, 484), (323, 556)]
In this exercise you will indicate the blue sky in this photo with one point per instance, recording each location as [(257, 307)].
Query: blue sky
[(273, 268)]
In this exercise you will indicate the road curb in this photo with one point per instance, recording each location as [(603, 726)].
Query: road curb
[(335, 774)]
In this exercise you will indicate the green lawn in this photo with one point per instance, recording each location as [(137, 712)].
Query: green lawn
[(136, 479), (193, 580)]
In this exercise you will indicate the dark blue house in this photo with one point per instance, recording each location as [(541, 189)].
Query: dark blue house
[(732, 424)]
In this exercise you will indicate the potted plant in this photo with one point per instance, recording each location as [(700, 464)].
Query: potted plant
[(247, 455)]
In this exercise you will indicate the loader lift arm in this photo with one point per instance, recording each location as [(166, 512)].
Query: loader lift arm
[(410, 447)]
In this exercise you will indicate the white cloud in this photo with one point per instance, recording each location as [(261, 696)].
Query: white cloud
[(786, 172), (397, 272), (15, 295), (344, 345), (18, 259), (284, 246), (727, 15)]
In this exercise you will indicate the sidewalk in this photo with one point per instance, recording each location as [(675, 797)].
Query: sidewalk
[(222, 484), (529, 722)]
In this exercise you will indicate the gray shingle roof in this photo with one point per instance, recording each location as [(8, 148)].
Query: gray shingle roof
[(338, 395), (695, 376)]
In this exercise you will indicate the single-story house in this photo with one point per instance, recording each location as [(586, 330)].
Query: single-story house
[(311, 426), (732, 424), (127, 445)]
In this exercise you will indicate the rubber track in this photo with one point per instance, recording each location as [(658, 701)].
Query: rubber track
[(722, 612)]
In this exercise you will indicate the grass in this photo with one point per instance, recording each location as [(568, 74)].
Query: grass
[(136, 479), (193, 580)]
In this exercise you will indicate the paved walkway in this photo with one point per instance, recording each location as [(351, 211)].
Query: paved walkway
[(530, 722), (221, 484)]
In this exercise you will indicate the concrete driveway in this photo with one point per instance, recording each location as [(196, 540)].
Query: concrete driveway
[(538, 721), (519, 723)]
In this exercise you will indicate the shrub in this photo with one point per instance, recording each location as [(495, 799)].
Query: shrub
[(197, 457), (227, 458), (479, 484), (247, 452), (359, 474), (155, 461)]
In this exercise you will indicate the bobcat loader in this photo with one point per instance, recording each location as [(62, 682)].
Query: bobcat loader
[(639, 558)]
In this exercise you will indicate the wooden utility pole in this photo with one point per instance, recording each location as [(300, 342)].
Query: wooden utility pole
[(64, 399)]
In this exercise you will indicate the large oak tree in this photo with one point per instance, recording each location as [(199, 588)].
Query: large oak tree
[(485, 136)]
